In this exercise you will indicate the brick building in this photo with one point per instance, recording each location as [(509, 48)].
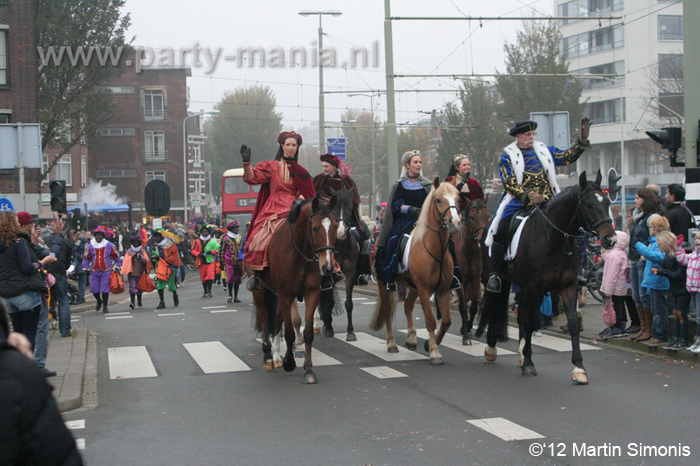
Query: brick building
[(143, 140), (19, 63)]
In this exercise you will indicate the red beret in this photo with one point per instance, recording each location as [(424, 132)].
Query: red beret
[(332, 159), (286, 135), (24, 218)]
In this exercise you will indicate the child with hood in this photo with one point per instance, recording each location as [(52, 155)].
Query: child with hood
[(615, 284)]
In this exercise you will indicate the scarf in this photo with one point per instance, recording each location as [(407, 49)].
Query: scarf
[(205, 238), (162, 243), (100, 245), (135, 250), (232, 235)]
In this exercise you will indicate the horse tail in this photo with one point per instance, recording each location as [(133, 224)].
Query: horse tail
[(270, 303), (494, 315), (383, 310)]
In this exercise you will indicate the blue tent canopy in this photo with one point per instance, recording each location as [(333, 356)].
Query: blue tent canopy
[(110, 208)]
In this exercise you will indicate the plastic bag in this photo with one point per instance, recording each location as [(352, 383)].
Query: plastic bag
[(116, 284), (609, 317)]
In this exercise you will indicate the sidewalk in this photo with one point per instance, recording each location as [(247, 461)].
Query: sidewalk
[(67, 356)]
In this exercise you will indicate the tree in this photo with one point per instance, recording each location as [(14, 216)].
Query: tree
[(246, 116), (474, 128), (666, 91), (536, 51), (81, 44), (361, 130)]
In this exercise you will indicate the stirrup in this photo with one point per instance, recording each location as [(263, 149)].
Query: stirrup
[(253, 284), (326, 283), (338, 276), (455, 284), (494, 283)]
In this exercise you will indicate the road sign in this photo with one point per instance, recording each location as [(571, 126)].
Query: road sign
[(157, 198), (552, 128), (336, 146), (196, 199), (6, 205)]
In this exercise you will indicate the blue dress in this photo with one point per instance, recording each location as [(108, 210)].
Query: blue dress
[(409, 193)]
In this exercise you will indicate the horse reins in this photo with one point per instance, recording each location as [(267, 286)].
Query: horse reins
[(316, 250)]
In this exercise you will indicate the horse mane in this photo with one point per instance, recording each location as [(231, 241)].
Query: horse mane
[(422, 223), (295, 211), (343, 196)]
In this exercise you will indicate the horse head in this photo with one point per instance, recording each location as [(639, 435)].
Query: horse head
[(322, 233), (475, 219), (342, 210), (444, 200), (593, 210)]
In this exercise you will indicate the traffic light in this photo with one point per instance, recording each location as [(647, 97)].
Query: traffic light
[(669, 138), (613, 188), (157, 194), (58, 196), (76, 219)]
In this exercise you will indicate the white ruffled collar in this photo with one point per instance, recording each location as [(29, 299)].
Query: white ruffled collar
[(100, 245), (232, 235)]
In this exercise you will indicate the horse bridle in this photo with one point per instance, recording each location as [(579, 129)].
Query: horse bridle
[(443, 226), (469, 219), (316, 250)]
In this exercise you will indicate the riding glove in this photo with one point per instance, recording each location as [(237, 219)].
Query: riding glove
[(415, 211)]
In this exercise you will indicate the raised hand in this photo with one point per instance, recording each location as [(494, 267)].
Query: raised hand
[(585, 129), (245, 153), (679, 240)]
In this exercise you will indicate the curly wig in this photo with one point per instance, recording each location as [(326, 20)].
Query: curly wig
[(9, 225)]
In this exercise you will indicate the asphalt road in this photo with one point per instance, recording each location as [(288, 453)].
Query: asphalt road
[(161, 403)]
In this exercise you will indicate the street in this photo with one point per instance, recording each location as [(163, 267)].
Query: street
[(185, 386)]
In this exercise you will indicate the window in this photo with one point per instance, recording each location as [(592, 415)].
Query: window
[(196, 155), (670, 66), (5, 117), (155, 146), (670, 104), (64, 170), (607, 111), (4, 77), (116, 132), (670, 27), (155, 175), (83, 171), (592, 161), (64, 134), (116, 174), (601, 82), (587, 8), (119, 89), (153, 103), (235, 185), (602, 39)]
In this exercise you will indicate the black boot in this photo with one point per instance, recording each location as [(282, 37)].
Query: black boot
[(235, 292), (338, 276), (176, 300), (138, 299), (161, 295), (326, 282), (230, 292), (105, 300), (133, 298), (98, 300), (457, 277), (498, 254)]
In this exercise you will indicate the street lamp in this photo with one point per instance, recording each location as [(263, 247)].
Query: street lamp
[(374, 137), (321, 104), (184, 158)]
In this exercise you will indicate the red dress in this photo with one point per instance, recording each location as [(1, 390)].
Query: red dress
[(273, 213)]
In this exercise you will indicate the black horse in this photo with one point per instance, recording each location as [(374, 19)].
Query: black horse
[(347, 250), (548, 259)]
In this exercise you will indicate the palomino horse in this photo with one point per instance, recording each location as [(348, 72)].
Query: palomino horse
[(548, 259), (300, 251), (347, 250), (469, 251), (430, 270)]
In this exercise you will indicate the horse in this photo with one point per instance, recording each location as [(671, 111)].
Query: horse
[(347, 248), (469, 253), (430, 270), (300, 252), (548, 260)]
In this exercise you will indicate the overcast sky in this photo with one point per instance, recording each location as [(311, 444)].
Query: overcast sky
[(420, 47)]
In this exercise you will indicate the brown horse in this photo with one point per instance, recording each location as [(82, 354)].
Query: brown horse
[(469, 252), (430, 270), (300, 252)]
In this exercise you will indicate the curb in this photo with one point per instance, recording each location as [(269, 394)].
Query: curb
[(67, 357)]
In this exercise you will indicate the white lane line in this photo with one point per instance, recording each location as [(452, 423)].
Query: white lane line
[(214, 307), (171, 314), (319, 358), (359, 299), (78, 424), (130, 362), (377, 347), (118, 317), (505, 429), (371, 303), (224, 311), (383, 372), (213, 357), (80, 443), (561, 345), (454, 342), (126, 313)]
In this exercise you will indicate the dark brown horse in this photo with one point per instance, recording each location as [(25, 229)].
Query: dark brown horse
[(300, 252), (430, 271), (547, 260), (469, 251)]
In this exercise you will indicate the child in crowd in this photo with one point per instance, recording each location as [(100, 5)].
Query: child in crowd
[(135, 264), (615, 284), (692, 283), (655, 285), (676, 273)]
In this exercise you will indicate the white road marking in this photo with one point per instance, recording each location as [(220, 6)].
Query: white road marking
[(377, 347), (118, 317), (371, 303), (130, 362), (319, 358), (505, 429), (171, 314), (213, 357), (561, 345), (78, 424), (80, 443), (383, 372), (214, 307), (223, 311), (359, 299), (120, 313), (455, 342)]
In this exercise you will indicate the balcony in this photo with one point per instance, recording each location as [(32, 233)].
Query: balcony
[(154, 156), (154, 114)]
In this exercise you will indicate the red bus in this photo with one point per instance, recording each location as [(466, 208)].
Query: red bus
[(237, 198)]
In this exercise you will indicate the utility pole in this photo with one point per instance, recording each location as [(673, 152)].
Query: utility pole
[(691, 102), (392, 143)]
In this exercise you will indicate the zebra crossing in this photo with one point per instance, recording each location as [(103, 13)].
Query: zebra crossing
[(77, 425), (214, 357)]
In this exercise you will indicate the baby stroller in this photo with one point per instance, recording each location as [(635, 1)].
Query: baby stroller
[(73, 294)]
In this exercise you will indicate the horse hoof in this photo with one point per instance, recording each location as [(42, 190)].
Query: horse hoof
[(579, 377), (529, 371), (466, 341), (317, 330), (267, 365), (351, 337), (490, 353), (300, 354), (289, 365), (426, 346), (436, 361), (277, 363), (411, 346), (393, 349), (310, 378), (329, 332)]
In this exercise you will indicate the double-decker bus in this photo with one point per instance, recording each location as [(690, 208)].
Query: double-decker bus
[(237, 198)]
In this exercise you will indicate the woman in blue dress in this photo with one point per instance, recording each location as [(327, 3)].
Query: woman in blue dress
[(406, 199)]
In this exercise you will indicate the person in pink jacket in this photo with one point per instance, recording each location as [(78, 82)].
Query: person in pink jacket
[(692, 283), (615, 284)]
